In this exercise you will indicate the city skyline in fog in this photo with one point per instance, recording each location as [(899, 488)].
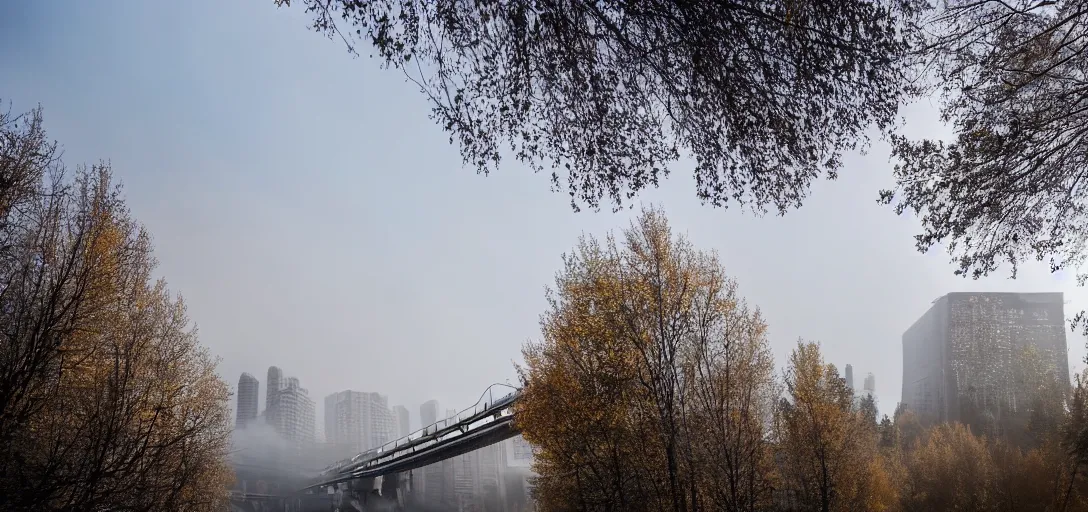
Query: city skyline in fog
[(252, 409), (315, 219)]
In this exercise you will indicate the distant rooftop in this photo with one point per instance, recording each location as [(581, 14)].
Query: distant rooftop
[(1023, 295)]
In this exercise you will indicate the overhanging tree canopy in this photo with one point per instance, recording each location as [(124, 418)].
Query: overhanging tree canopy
[(1013, 79), (764, 96)]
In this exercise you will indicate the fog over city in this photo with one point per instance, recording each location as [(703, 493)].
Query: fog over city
[(342, 241), (315, 219)]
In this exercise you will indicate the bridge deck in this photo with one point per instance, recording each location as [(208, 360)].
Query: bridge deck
[(489, 422)]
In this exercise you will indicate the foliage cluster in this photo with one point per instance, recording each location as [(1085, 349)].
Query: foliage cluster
[(653, 388), (608, 95), (107, 399)]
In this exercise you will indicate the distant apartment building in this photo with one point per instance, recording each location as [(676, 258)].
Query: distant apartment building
[(295, 414), (475, 481), (273, 385), (518, 489), (849, 374), (400, 413), (428, 413), (466, 481), (248, 391), (432, 482), (457, 475), (869, 388), (519, 453), (359, 420), (517, 475), (961, 358), (494, 478), (490, 487)]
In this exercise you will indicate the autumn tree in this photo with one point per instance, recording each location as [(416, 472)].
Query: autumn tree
[(582, 405), (867, 410), (1031, 479), (951, 470), (730, 403), (647, 354), (763, 96), (826, 446), (43, 276), (652, 389), (1043, 396), (908, 429), (1074, 442), (108, 400)]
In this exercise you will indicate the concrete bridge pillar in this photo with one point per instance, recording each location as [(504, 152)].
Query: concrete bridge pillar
[(396, 487), (384, 493)]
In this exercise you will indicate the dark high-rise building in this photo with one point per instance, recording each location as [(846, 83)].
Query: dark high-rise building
[(248, 389), (428, 413), (401, 414), (273, 385), (850, 377), (962, 357)]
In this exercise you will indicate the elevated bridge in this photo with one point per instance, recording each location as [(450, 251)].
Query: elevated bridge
[(488, 422)]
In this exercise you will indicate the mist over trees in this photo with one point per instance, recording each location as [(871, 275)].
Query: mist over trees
[(107, 399), (653, 388)]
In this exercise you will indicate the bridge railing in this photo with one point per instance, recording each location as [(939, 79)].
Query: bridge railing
[(466, 427), (430, 434), (439, 430)]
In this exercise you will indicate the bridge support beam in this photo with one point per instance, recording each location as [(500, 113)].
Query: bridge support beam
[(384, 493), (396, 488)]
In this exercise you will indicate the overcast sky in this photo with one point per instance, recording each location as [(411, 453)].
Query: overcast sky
[(314, 218)]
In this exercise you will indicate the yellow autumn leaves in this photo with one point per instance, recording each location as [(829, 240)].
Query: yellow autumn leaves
[(653, 388), (653, 384), (107, 399), (827, 445)]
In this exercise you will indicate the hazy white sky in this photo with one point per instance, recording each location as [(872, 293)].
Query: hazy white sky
[(314, 218)]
